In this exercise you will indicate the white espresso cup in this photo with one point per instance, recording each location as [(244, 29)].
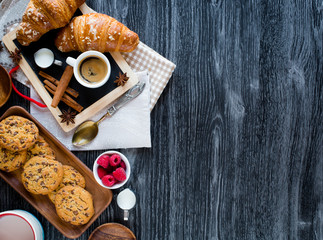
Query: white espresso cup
[(92, 69), (19, 224)]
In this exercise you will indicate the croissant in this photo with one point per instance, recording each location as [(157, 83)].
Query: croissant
[(96, 31), (42, 16)]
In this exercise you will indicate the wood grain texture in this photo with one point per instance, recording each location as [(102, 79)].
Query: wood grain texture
[(5, 86), (112, 231), (237, 133)]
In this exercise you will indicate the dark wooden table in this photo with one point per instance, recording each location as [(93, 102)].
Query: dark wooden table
[(237, 133)]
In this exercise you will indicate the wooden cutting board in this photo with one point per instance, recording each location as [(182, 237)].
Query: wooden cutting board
[(93, 100)]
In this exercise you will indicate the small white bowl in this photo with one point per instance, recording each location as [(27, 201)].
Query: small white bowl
[(96, 165)]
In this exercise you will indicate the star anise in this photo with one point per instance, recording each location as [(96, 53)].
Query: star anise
[(15, 56), (1, 47), (122, 79), (68, 116)]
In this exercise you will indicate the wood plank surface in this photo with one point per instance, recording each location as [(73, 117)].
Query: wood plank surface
[(236, 135)]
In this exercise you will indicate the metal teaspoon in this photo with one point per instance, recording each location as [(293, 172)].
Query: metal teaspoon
[(88, 130)]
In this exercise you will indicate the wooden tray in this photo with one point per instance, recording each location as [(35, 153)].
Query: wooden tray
[(101, 196), (94, 100)]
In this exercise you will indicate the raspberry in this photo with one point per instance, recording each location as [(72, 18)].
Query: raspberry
[(123, 165), (108, 180), (109, 169), (102, 172), (104, 161), (115, 160), (120, 174)]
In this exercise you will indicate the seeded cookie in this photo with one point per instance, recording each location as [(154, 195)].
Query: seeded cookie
[(10, 161), (74, 205), (41, 149), (71, 177), (42, 175), (17, 133)]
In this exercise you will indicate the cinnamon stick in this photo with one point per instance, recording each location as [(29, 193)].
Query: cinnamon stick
[(69, 103), (54, 88), (63, 84), (53, 80)]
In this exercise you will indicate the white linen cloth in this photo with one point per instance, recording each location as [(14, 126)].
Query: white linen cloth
[(129, 127)]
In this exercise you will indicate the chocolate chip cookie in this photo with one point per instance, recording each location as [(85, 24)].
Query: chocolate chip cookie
[(10, 161), (74, 205), (42, 175), (71, 177), (41, 149), (17, 133)]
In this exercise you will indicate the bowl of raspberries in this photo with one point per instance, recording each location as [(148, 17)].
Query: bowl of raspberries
[(111, 169)]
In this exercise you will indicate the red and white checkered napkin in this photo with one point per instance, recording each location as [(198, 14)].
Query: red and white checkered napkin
[(159, 68)]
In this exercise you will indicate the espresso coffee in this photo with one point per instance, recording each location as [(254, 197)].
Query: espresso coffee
[(93, 69), (15, 228)]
